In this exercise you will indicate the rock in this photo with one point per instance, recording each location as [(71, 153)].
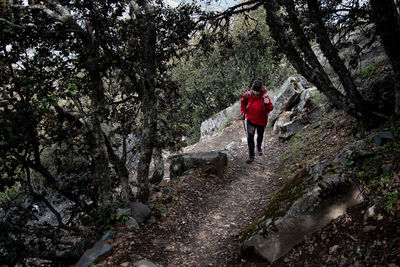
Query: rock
[(145, 263), (100, 250), (215, 124), (306, 84), (305, 204), (305, 100), (371, 212), (132, 224), (287, 95), (212, 162), (291, 128), (383, 137), (282, 120), (140, 212)]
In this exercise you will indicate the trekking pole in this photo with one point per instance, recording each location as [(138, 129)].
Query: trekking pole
[(265, 129)]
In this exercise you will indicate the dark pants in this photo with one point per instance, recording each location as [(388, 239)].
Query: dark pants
[(251, 130)]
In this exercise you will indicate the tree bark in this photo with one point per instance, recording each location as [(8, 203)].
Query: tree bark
[(120, 169), (387, 23), (149, 104), (158, 173), (100, 169)]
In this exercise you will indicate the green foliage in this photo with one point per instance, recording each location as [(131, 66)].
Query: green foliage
[(370, 71), (160, 210), (213, 78), (387, 199), (11, 194), (106, 218), (378, 175)]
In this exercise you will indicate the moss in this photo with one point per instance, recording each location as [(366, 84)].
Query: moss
[(280, 203), (331, 171)]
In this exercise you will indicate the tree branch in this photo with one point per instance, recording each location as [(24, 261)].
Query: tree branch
[(12, 24)]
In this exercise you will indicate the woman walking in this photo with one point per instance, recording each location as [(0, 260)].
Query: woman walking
[(255, 107)]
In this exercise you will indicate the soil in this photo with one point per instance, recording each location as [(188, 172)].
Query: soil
[(198, 220)]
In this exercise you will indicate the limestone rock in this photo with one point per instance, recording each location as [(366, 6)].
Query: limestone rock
[(215, 124), (140, 212), (282, 120), (305, 204), (287, 95), (212, 162), (132, 224), (383, 137), (100, 250), (145, 263), (305, 102), (289, 129)]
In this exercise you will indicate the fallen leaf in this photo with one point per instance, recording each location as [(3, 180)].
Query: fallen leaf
[(352, 237), (333, 249)]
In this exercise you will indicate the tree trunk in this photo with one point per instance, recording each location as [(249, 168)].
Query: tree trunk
[(311, 70), (120, 169), (149, 103), (332, 54), (158, 173), (387, 23), (100, 169)]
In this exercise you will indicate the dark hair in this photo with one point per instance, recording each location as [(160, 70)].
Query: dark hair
[(257, 85)]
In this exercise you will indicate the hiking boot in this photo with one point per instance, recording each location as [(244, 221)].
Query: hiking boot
[(259, 151), (249, 160)]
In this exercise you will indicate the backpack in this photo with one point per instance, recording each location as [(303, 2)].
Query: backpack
[(249, 94)]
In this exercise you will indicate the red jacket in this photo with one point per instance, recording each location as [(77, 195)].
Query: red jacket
[(253, 107)]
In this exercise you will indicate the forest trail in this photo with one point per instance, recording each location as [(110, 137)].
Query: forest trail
[(208, 214)]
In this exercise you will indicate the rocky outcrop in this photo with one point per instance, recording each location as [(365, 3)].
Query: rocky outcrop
[(286, 97), (308, 202), (213, 162), (216, 123), (288, 129), (293, 107)]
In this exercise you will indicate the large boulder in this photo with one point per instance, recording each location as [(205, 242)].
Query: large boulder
[(213, 162), (287, 96), (215, 124), (308, 202)]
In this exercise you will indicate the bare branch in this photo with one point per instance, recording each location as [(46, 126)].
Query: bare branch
[(240, 8), (12, 24), (59, 13)]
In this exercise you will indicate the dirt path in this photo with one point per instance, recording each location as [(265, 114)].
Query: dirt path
[(207, 214)]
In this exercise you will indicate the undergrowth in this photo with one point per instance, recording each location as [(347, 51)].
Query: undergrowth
[(377, 174)]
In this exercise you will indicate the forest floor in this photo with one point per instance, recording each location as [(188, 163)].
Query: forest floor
[(198, 220)]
